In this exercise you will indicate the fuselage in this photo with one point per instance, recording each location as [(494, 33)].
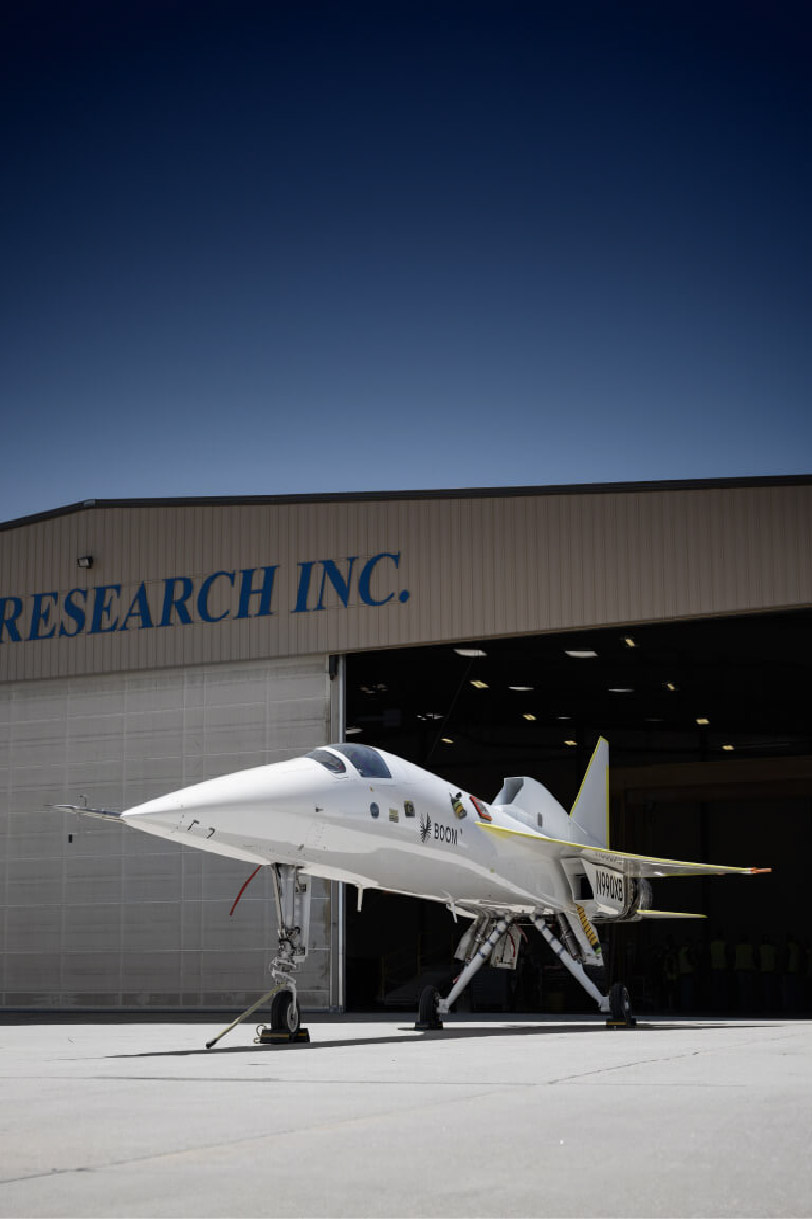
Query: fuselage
[(359, 815)]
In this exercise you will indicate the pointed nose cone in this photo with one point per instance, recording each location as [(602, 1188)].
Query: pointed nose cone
[(259, 801), (165, 811)]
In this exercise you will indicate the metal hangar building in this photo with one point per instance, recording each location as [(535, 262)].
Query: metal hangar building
[(146, 645)]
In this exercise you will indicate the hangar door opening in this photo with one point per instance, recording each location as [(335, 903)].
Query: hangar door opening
[(710, 730)]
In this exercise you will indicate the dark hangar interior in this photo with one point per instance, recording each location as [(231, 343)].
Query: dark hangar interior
[(710, 730)]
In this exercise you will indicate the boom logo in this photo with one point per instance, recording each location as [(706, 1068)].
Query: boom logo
[(425, 827), (445, 833)]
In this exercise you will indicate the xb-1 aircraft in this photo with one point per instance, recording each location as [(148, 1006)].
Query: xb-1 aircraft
[(352, 813)]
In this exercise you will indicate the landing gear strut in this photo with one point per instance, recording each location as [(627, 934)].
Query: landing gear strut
[(575, 967), (616, 1005), (292, 897), (477, 945), (491, 935)]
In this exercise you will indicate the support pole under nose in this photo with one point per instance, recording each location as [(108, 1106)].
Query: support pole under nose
[(279, 986)]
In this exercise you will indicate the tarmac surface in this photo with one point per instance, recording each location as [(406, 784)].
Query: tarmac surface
[(489, 1117)]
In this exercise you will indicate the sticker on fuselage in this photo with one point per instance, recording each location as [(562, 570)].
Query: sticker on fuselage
[(458, 806), (481, 810)]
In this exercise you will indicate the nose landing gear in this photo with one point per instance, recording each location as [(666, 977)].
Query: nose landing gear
[(292, 898), (285, 1013)]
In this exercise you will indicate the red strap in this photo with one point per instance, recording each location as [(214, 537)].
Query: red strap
[(242, 890)]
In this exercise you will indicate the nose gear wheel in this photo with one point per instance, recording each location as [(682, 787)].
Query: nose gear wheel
[(285, 1013)]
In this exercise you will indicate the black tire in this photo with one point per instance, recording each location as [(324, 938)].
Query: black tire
[(427, 1007), (284, 1013), (620, 1005)]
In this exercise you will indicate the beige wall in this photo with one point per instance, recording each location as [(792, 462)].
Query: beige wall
[(471, 566)]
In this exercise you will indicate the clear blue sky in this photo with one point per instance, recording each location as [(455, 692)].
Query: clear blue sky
[(269, 248)]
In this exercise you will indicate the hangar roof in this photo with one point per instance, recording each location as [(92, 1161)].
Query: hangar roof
[(330, 497), (115, 585)]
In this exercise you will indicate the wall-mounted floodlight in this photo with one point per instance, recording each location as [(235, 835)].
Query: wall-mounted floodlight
[(85, 560)]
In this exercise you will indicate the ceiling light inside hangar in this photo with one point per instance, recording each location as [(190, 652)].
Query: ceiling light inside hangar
[(710, 733)]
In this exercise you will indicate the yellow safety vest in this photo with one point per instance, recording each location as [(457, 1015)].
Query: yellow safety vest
[(686, 965), (766, 958), (744, 957)]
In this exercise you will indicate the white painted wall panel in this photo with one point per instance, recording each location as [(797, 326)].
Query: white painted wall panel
[(117, 918)]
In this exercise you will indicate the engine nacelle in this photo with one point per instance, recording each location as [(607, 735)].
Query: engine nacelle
[(638, 896)]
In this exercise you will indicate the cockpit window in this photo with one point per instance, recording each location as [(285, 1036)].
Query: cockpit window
[(367, 761), (329, 760)]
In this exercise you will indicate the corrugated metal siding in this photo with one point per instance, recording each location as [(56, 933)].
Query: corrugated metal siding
[(120, 918), (474, 568)]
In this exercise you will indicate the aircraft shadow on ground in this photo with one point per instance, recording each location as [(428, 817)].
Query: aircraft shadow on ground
[(407, 1036)]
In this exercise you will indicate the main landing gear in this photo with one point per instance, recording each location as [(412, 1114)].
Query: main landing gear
[(620, 1008), (496, 939), (475, 947)]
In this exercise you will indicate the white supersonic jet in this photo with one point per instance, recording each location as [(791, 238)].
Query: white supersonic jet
[(355, 814)]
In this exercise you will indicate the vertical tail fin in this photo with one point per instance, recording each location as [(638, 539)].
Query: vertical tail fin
[(591, 808)]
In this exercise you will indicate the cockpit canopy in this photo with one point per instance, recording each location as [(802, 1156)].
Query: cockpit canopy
[(364, 759)]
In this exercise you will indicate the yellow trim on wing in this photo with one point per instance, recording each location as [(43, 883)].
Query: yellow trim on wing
[(652, 859)]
